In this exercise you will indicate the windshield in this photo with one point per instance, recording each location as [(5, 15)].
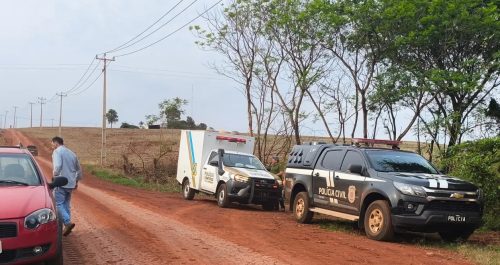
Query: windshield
[(17, 169), (394, 161), (244, 161)]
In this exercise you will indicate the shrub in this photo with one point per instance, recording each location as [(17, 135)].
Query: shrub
[(479, 163)]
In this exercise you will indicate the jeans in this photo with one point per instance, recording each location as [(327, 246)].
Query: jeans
[(63, 204)]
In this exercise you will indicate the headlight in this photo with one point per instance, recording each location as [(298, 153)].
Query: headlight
[(240, 178), (410, 189), (38, 218)]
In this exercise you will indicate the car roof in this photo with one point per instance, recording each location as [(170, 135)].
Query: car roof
[(12, 150)]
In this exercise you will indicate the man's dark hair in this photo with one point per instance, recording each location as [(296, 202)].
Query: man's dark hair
[(58, 140)]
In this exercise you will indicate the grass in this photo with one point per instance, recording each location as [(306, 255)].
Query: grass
[(171, 186), (478, 253)]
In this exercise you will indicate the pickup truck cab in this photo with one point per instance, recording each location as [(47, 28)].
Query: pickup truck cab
[(384, 190), (227, 169)]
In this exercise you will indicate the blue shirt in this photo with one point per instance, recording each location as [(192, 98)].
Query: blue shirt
[(66, 165)]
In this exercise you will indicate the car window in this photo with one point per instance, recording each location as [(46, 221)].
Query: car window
[(17, 168), (394, 161), (352, 158), (332, 159)]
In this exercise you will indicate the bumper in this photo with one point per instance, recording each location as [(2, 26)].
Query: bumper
[(434, 221), (255, 191), (19, 249)]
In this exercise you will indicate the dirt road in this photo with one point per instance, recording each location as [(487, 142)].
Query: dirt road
[(122, 225)]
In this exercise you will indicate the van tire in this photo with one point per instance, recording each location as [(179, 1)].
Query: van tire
[(222, 199), (378, 221), (301, 208), (187, 192)]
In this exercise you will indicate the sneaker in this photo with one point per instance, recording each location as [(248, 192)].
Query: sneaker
[(68, 228)]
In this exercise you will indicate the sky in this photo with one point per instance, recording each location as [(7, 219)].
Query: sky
[(47, 45)]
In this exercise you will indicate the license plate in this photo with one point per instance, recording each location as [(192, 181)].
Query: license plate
[(457, 218)]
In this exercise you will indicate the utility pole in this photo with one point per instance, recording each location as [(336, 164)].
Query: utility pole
[(52, 124), (41, 100), (31, 113), (15, 110), (5, 119), (103, 142), (60, 110)]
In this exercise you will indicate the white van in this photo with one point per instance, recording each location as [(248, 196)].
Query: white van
[(222, 164)]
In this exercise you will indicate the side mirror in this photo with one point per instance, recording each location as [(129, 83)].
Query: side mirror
[(58, 182), (356, 169), (221, 171), (32, 149), (214, 163), (444, 170)]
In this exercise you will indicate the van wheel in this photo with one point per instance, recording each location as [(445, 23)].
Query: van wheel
[(455, 235), (378, 222), (187, 192), (222, 199), (301, 208)]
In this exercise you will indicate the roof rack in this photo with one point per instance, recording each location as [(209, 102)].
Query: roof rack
[(394, 144)]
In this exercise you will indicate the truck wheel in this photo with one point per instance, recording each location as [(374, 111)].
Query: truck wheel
[(187, 192), (222, 199), (456, 234), (269, 205), (378, 222), (301, 208)]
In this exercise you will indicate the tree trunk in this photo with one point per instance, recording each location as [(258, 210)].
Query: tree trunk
[(321, 115), (356, 115), (249, 108), (365, 114)]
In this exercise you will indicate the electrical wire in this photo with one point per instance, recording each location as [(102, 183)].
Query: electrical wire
[(144, 31), (170, 34), (79, 84), (163, 25), (85, 89)]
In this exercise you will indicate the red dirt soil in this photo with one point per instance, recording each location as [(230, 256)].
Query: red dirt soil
[(124, 225)]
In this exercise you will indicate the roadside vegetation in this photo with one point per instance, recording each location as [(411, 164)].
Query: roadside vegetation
[(140, 182)]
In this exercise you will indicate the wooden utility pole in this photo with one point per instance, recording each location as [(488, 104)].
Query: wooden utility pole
[(41, 100), (5, 119), (60, 111), (14, 122), (103, 136), (31, 114)]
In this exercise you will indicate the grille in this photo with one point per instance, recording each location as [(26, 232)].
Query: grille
[(264, 183), (7, 256), (8, 230), (454, 206)]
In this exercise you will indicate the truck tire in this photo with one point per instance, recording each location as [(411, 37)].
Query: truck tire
[(222, 199), (301, 208), (187, 192), (378, 222), (454, 235)]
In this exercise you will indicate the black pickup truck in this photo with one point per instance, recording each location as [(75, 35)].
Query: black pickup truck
[(384, 190)]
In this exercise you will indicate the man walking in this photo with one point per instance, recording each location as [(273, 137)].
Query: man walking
[(65, 164)]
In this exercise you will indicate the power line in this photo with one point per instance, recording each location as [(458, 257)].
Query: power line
[(85, 89), (163, 25), (170, 34), (78, 84), (156, 22)]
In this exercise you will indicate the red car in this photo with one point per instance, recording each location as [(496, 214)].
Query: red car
[(30, 230)]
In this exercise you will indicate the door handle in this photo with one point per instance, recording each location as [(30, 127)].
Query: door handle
[(337, 177), (205, 168), (317, 174)]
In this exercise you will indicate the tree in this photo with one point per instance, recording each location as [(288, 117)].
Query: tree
[(112, 117), (128, 126), (171, 110), (452, 47)]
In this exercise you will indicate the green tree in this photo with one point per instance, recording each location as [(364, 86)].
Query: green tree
[(449, 46), (171, 110), (112, 117)]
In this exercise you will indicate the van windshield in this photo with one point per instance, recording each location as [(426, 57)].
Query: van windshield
[(243, 161), (395, 161), (17, 170)]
